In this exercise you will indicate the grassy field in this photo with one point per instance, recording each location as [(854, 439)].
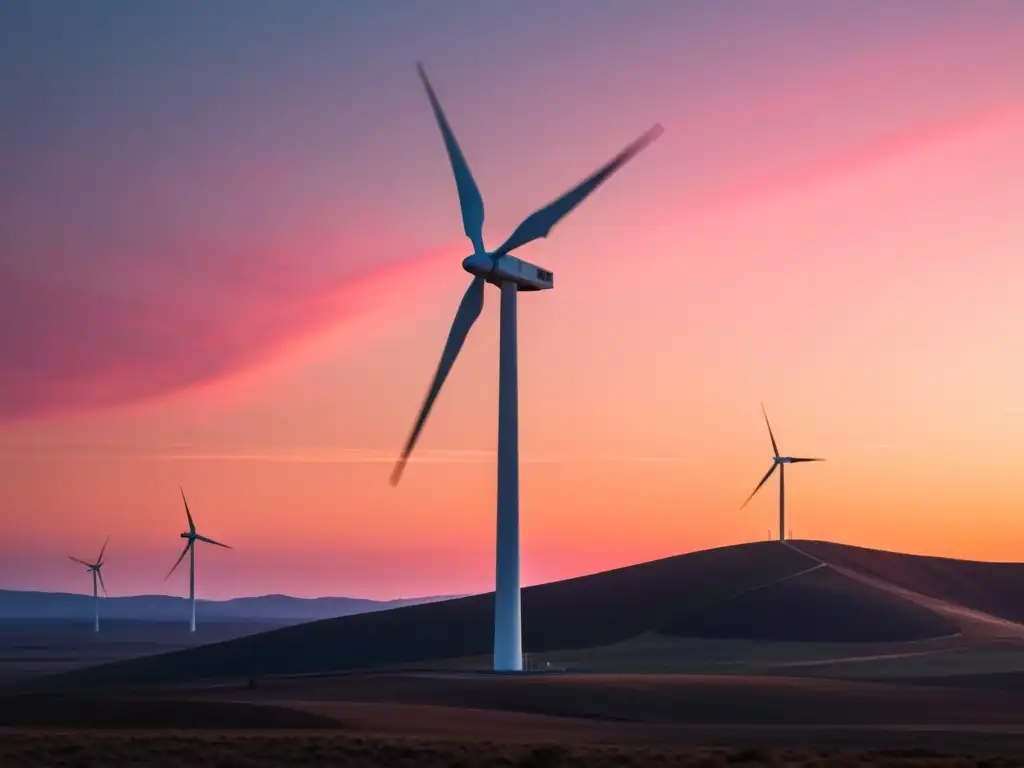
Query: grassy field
[(212, 733)]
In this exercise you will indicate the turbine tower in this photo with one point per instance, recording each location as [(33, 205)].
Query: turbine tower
[(97, 574), (780, 462), (190, 550), (511, 275)]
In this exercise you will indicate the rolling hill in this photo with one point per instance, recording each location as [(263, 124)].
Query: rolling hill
[(21, 605), (996, 589), (762, 592)]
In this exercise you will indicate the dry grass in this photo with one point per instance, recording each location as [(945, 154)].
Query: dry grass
[(250, 750)]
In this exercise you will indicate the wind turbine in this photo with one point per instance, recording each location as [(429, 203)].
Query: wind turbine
[(511, 275), (780, 462), (190, 550), (97, 573)]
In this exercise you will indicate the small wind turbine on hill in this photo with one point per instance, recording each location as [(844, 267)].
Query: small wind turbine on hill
[(780, 462), (511, 275), (97, 574), (190, 550)]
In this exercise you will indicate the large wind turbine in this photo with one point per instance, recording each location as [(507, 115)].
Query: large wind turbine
[(511, 275), (780, 462), (190, 550), (95, 570)]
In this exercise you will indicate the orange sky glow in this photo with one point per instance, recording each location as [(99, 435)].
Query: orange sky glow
[(841, 237)]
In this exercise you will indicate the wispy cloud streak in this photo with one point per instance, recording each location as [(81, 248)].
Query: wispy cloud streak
[(341, 456), (68, 348)]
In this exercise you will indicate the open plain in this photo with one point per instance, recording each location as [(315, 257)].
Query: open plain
[(34, 647), (799, 653)]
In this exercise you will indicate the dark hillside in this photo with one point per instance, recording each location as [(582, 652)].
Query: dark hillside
[(995, 588), (763, 591), (820, 606), (583, 612)]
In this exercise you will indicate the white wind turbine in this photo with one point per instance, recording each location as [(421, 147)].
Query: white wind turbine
[(97, 574), (190, 550), (511, 275), (780, 462)]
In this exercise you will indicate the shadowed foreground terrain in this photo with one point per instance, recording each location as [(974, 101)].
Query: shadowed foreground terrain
[(612, 700), (488, 720), (257, 750)]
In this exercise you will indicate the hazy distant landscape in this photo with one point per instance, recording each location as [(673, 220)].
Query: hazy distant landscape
[(25, 604)]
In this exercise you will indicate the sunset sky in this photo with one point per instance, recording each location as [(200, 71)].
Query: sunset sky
[(230, 250)]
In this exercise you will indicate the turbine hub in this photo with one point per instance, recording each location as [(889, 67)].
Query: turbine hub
[(526, 276), (479, 264)]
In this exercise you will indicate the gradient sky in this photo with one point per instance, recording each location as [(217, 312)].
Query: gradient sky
[(229, 257)]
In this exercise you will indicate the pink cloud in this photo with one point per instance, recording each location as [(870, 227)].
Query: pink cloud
[(69, 348), (875, 152)]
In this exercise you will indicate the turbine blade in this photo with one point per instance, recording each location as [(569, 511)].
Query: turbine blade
[(469, 310), (211, 541), (80, 561), (794, 461), (763, 481), (104, 549), (539, 223), (180, 558), (100, 574), (191, 525), (471, 202), (775, 446)]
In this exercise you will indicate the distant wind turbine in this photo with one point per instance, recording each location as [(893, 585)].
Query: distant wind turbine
[(190, 550), (777, 461), (97, 574), (511, 275)]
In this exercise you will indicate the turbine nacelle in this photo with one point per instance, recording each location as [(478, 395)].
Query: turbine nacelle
[(783, 460), (187, 535), (526, 276)]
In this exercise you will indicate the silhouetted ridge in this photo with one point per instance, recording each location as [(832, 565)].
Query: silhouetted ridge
[(760, 591), (587, 611)]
